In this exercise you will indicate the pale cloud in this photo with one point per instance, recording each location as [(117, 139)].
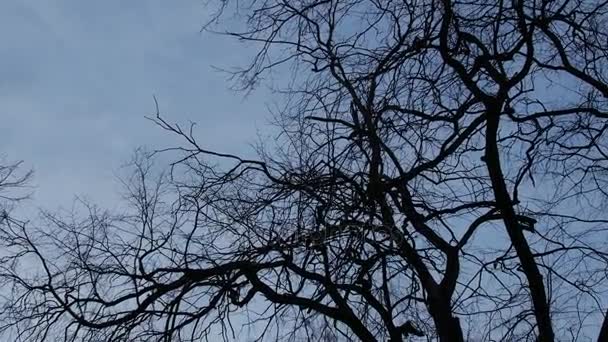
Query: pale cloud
[(77, 78)]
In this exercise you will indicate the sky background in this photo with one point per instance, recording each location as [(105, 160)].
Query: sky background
[(77, 78)]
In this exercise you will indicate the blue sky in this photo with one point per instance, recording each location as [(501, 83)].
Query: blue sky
[(77, 78)]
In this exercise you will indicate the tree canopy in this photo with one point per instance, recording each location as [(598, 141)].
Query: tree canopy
[(438, 173)]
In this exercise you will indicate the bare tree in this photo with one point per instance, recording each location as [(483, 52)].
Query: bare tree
[(13, 181), (439, 173)]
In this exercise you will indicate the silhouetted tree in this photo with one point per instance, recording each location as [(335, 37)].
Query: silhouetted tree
[(13, 180), (439, 173)]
